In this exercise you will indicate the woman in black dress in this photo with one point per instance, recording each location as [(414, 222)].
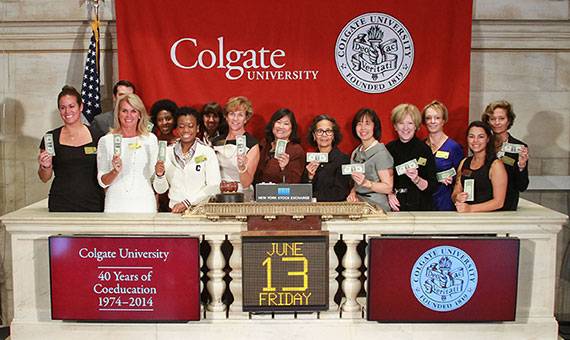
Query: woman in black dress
[(500, 116), (74, 165), (329, 185), (414, 184)]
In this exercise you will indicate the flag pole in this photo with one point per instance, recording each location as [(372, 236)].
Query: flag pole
[(91, 90), (95, 28)]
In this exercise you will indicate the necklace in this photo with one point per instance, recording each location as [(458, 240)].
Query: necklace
[(436, 145), (232, 149)]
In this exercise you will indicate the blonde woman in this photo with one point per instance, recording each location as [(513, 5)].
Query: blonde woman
[(126, 175), (447, 153), (413, 187), (238, 170)]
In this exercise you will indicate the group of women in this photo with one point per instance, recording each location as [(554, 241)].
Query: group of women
[(210, 151)]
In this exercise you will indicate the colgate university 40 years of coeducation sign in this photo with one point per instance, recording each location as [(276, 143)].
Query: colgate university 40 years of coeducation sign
[(125, 278)]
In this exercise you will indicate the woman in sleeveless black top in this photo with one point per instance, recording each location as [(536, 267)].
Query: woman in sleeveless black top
[(74, 164), (500, 116), (482, 171)]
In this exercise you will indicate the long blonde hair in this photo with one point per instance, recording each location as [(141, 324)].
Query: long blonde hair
[(137, 103)]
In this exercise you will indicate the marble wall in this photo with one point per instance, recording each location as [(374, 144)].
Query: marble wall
[(520, 52)]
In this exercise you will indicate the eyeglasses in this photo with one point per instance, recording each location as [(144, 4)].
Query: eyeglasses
[(320, 132)]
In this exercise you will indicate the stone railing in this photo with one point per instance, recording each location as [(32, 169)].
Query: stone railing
[(535, 226)]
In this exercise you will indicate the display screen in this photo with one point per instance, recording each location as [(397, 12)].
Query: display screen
[(125, 278), (442, 279), (285, 273)]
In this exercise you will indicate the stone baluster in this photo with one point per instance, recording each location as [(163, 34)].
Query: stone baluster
[(333, 311), (362, 300), (236, 311), (351, 285), (216, 286)]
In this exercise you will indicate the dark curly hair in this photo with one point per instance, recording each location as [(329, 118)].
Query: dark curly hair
[(337, 135), (187, 111), (163, 104)]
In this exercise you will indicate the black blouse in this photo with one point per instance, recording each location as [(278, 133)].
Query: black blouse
[(329, 185), (483, 190), (517, 179), (411, 198), (75, 187)]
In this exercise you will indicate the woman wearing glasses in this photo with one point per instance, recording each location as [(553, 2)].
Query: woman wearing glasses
[(376, 182), (329, 185)]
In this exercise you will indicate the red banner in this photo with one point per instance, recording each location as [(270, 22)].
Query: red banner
[(313, 57)]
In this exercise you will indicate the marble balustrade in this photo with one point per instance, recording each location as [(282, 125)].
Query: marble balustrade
[(535, 226)]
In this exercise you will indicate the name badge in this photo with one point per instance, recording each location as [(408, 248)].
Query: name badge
[(134, 146), (442, 154), (508, 160), (90, 150), (422, 161)]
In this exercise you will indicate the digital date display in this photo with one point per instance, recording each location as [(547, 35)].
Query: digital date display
[(285, 273)]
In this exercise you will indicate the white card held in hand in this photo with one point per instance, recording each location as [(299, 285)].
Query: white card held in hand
[(280, 146), (469, 188), (48, 144), (411, 164), (442, 175), (319, 157), (117, 140), (348, 169), (162, 150), (240, 145), (512, 148)]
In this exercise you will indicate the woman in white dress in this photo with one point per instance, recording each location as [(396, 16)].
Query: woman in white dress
[(126, 173)]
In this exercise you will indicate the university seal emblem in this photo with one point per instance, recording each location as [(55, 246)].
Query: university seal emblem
[(444, 278), (374, 52)]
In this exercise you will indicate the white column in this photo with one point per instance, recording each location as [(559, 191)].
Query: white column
[(351, 285), (216, 285), (236, 311), (362, 300), (333, 311)]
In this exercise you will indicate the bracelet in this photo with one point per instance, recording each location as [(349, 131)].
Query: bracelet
[(244, 170)]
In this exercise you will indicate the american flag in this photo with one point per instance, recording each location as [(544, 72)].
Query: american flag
[(90, 91)]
